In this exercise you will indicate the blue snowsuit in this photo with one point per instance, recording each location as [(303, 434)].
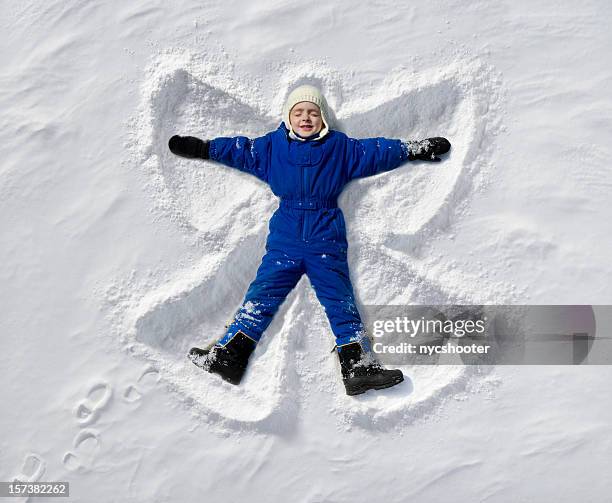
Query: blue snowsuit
[(307, 233)]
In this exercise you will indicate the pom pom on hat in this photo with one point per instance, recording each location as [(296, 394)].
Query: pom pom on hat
[(313, 95)]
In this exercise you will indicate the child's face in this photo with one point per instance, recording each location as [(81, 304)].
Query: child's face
[(305, 118)]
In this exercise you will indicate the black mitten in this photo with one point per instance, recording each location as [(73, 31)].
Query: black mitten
[(189, 146), (427, 150)]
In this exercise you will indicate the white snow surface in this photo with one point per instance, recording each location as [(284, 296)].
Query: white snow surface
[(117, 256)]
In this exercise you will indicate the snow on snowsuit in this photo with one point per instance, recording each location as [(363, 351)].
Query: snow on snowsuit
[(307, 233)]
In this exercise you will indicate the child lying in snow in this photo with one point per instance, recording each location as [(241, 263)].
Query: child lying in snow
[(307, 165)]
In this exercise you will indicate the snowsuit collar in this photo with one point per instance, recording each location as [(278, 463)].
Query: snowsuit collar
[(294, 136)]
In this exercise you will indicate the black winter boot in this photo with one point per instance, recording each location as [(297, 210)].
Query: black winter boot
[(361, 372), (229, 361)]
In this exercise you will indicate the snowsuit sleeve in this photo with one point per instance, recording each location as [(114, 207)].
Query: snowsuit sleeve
[(372, 156), (244, 154)]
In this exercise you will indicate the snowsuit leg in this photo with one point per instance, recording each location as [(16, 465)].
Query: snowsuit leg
[(277, 275), (329, 275)]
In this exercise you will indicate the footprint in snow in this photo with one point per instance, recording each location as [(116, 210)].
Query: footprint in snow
[(96, 400), (86, 445)]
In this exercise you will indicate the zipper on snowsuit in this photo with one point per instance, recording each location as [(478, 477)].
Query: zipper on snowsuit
[(303, 212)]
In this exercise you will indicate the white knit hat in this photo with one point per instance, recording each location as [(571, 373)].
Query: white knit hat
[(313, 95)]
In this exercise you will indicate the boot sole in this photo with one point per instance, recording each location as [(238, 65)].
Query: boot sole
[(358, 389)]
